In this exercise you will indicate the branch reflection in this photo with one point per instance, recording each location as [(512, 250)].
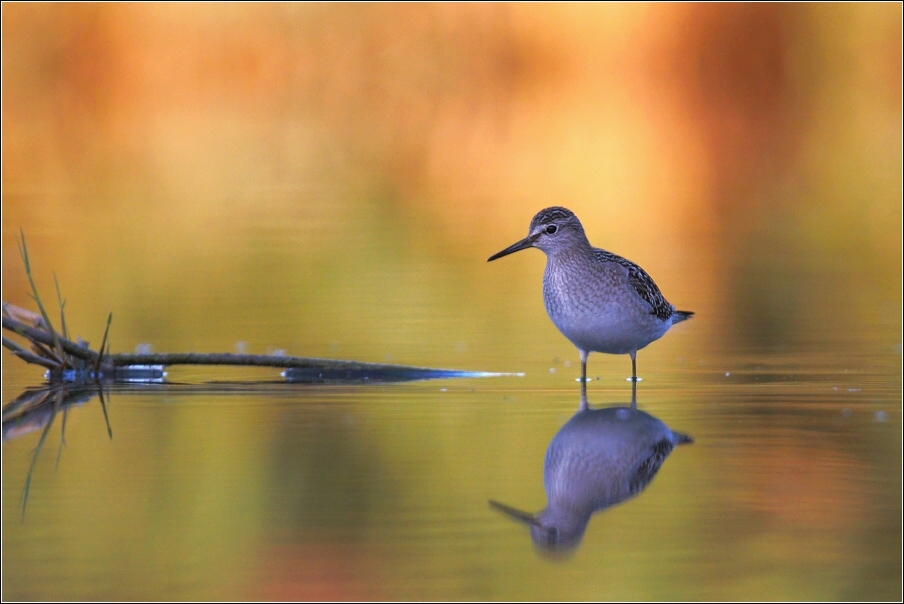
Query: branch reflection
[(37, 408)]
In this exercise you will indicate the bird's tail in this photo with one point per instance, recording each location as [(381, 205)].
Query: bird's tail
[(682, 439), (681, 315)]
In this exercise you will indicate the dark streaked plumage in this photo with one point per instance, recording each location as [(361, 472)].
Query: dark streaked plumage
[(642, 284), (598, 300), (550, 215)]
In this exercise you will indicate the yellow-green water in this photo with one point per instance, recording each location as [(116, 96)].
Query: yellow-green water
[(329, 181)]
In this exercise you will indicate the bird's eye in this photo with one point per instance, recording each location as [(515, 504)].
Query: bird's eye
[(551, 229)]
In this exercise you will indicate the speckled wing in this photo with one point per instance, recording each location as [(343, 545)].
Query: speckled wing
[(648, 468), (643, 284)]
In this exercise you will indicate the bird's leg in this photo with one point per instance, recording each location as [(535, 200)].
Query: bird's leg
[(583, 379), (634, 366), (634, 396)]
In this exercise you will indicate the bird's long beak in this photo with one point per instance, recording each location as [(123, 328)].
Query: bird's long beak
[(525, 517), (517, 247)]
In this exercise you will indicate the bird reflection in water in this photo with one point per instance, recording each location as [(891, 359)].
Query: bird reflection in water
[(599, 458)]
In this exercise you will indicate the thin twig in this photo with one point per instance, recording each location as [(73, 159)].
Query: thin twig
[(23, 251), (62, 304), (102, 344), (103, 405), (39, 335), (47, 353), (62, 438), (40, 445), (27, 355)]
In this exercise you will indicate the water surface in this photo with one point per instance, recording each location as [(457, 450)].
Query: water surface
[(790, 491)]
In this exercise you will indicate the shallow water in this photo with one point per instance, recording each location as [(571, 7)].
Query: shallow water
[(329, 182), (790, 490)]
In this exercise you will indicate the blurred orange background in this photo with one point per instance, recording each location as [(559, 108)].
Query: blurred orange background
[(756, 147)]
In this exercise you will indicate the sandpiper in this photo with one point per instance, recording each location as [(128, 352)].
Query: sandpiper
[(599, 301)]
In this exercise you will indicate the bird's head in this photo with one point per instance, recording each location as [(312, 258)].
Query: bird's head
[(551, 230), (554, 532)]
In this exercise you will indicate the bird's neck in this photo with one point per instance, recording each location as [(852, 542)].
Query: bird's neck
[(577, 252)]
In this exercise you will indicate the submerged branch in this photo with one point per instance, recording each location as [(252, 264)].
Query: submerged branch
[(245, 360), (41, 336), (110, 362), (26, 355), (75, 362)]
